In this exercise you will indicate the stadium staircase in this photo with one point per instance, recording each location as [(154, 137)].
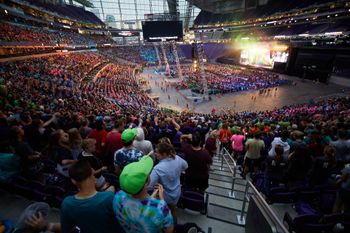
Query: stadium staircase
[(234, 200), (225, 199)]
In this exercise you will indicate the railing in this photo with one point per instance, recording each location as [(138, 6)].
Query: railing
[(275, 223)]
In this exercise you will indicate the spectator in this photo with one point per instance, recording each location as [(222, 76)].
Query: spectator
[(210, 143), (254, 147), (283, 142), (128, 153), (224, 137), (136, 211), (88, 146), (199, 161), (75, 141), (274, 170), (342, 146), (59, 151), (237, 143), (89, 210), (114, 140), (141, 144), (323, 167), (299, 164), (99, 134), (30, 159), (167, 173)]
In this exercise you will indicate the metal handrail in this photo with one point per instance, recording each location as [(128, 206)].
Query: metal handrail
[(264, 204), (276, 221)]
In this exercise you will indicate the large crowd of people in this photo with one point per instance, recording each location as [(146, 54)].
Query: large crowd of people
[(227, 78), (97, 147), (89, 142), (116, 82), (42, 36)]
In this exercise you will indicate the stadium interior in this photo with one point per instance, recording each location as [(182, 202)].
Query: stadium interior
[(186, 116)]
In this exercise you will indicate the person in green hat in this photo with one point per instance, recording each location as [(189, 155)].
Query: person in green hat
[(128, 153), (135, 209)]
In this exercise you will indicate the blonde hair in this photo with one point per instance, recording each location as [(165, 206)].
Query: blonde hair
[(87, 142)]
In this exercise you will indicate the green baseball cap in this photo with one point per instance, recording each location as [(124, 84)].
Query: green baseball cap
[(128, 135), (134, 175)]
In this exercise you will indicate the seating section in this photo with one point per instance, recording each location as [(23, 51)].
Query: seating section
[(69, 11), (116, 82), (227, 78), (35, 35), (272, 7)]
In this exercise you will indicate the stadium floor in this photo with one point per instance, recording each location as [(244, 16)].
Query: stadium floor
[(302, 92)]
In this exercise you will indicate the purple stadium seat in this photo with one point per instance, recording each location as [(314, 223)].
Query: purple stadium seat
[(111, 178), (55, 191), (193, 201)]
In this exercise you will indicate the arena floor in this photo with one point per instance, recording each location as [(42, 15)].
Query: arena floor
[(302, 92)]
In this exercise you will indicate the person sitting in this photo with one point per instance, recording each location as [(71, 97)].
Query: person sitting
[(30, 159), (167, 173), (90, 210), (135, 209), (128, 153), (88, 146), (59, 151)]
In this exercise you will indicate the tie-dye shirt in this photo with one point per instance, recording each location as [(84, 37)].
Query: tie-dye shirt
[(147, 215), (124, 156)]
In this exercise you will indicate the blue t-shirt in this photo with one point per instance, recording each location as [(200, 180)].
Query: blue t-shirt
[(167, 172), (93, 215), (147, 215)]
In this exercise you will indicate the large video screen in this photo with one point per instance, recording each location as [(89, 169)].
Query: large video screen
[(162, 30), (263, 57)]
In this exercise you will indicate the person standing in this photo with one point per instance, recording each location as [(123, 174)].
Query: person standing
[(89, 210), (199, 161), (167, 173), (128, 153), (253, 147), (134, 208)]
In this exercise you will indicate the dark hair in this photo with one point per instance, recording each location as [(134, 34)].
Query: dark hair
[(80, 170), (99, 125), (118, 123), (284, 135), (279, 149), (126, 144), (166, 148), (196, 139)]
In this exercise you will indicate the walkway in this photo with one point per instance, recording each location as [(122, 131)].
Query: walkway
[(242, 101)]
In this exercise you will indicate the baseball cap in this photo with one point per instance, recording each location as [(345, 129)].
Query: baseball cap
[(134, 175), (128, 135)]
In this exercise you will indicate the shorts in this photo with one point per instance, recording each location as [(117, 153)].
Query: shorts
[(251, 162)]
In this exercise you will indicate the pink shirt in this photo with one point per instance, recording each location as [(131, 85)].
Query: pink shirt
[(237, 142)]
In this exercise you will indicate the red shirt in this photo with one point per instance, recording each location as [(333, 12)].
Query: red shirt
[(114, 141), (224, 135), (100, 137)]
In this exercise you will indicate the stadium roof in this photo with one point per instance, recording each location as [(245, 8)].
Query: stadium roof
[(219, 6)]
